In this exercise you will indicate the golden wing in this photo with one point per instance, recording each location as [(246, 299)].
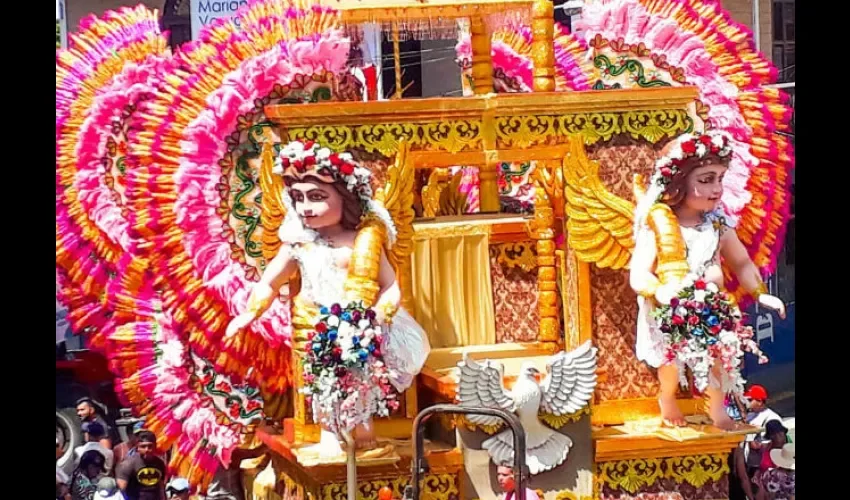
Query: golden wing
[(273, 209), (397, 197), (599, 223)]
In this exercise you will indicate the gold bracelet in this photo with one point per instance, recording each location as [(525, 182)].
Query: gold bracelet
[(649, 291), (257, 306), (760, 290), (389, 311)]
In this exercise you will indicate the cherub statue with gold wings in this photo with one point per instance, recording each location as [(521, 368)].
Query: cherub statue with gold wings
[(681, 246), (361, 345)]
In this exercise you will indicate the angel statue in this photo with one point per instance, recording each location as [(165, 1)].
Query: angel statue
[(567, 388), (340, 244), (684, 241)]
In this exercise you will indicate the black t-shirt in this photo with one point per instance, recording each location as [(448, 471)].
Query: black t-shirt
[(145, 477)]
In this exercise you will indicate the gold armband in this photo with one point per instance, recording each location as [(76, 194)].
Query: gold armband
[(258, 305)]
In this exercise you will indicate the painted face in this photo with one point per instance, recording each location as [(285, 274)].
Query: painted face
[(319, 205), (505, 477), (705, 187)]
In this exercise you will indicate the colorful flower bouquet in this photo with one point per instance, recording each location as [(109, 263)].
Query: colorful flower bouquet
[(703, 326), (345, 377)]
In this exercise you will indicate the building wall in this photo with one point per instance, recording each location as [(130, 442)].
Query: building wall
[(742, 11), (78, 9)]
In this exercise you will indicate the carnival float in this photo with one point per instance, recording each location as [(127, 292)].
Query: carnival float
[(266, 257)]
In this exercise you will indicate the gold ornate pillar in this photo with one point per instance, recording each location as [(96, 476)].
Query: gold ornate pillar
[(542, 230), (542, 45), (482, 65)]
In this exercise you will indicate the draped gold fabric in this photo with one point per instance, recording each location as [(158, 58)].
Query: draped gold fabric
[(452, 289)]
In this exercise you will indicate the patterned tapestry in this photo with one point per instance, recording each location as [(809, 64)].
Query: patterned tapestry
[(514, 299)]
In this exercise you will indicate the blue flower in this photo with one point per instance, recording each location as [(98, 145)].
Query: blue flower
[(363, 354), (332, 335), (355, 340), (346, 316), (324, 310), (371, 347), (712, 341), (317, 347), (698, 332), (713, 321)]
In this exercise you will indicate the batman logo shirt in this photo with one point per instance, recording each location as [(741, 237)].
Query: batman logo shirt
[(149, 476)]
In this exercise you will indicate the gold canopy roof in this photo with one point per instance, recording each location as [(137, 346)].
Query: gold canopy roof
[(361, 11)]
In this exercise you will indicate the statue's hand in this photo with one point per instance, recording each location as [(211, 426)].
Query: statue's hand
[(238, 324), (774, 303), (665, 293)]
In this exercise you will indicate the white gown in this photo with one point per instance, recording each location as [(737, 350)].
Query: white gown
[(405, 346), (703, 244)]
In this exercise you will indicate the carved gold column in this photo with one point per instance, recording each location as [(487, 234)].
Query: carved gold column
[(542, 230), (482, 65), (542, 45)]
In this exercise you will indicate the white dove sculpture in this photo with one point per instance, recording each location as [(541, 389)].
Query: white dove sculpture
[(567, 388)]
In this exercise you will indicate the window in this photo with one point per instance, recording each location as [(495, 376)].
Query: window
[(784, 37)]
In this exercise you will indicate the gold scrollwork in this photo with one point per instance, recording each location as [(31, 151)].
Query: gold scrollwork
[(697, 470), (558, 421), (630, 475), (435, 487), (450, 136), (636, 474), (510, 131), (521, 254)]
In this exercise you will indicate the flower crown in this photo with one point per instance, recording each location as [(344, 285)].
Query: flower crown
[(687, 147), (308, 156)]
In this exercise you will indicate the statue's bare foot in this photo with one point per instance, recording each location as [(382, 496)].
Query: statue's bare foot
[(721, 420), (671, 415)]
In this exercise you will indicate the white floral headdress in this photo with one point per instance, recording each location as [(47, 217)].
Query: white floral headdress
[(304, 157)]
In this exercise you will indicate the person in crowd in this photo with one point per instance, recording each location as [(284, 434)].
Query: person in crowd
[(778, 482), (758, 415), (128, 448), (775, 436), (84, 480), (227, 482), (63, 482), (87, 411), (107, 489), (141, 476), (507, 481), (93, 433), (178, 488)]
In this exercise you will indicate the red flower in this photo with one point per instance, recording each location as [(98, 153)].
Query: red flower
[(299, 166), (699, 285), (689, 148), (337, 351), (346, 169), (334, 159), (284, 162), (234, 410), (715, 329), (252, 405), (678, 320), (321, 327), (714, 149), (309, 161), (693, 320), (666, 172), (705, 140), (309, 145), (223, 386)]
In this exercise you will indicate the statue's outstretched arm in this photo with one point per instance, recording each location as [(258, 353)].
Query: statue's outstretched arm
[(735, 256), (641, 278), (276, 275)]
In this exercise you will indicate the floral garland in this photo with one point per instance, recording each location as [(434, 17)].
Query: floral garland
[(304, 156), (702, 326), (713, 143), (346, 379)]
